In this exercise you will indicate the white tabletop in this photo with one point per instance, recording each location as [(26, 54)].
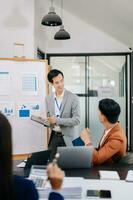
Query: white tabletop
[(120, 190)]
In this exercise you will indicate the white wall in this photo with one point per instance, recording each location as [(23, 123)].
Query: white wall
[(16, 25), (84, 37), (20, 24)]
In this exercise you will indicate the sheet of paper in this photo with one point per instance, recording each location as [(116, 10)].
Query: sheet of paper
[(109, 175), (5, 83), (26, 109), (129, 177), (29, 84), (22, 164)]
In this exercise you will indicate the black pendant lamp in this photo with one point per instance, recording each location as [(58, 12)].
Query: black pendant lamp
[(62, 34), (51, 19)]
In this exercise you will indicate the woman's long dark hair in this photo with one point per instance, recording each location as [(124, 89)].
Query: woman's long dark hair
[(6, 176)]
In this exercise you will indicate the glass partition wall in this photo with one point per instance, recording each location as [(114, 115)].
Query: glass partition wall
[(106, 77), (93, 78)]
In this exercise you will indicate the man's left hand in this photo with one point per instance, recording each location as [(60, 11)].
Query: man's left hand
[(52, 120)]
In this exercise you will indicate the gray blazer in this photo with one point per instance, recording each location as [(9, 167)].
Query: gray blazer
[(69, 115)]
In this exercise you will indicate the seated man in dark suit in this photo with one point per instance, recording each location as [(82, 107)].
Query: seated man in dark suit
[(16, 187)]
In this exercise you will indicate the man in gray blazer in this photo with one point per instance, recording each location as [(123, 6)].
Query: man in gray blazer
[(63, 113)]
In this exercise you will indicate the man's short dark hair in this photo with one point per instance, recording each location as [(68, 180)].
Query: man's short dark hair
[(53, 73), (110, 109)]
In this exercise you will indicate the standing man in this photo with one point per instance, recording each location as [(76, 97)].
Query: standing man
[(63, 112)]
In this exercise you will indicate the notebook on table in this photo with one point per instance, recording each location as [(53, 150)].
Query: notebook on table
[(78, 142)]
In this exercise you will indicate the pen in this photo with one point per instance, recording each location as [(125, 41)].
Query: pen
[(57, 155)]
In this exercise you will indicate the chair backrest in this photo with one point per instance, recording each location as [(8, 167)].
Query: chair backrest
[(127, 159)]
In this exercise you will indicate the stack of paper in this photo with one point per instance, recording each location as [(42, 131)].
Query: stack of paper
[(67, 192), (109, 175), (129, 176)]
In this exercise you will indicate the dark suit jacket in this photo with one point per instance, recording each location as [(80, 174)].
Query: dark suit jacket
[(55, 196), (25, 190), (113, 147)]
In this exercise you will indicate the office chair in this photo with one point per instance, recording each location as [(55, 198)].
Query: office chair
[(127, 159)]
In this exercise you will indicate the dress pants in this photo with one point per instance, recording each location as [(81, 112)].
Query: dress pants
[(56, 140)]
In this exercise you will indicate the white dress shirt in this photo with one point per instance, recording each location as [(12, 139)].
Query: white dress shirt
[(58, 104)]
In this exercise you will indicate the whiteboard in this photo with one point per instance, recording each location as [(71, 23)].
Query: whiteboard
[(22, 93)]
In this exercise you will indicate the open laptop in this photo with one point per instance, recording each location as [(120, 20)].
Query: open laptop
[(75, 157)]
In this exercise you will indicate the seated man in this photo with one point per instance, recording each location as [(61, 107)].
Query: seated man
[(113, 143)]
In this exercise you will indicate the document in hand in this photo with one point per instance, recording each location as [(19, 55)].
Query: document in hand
[(129, 177), (40, 120), (109, 175)]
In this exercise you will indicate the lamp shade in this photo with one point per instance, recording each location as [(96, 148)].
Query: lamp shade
[(62, 34), (51, 19)]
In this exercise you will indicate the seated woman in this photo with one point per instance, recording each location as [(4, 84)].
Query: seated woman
[(112, 146), (16, 187)]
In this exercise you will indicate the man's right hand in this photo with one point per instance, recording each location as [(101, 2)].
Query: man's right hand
[(85, 136), (55, 175)]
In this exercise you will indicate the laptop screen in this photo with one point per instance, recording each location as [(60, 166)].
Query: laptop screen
[(75, 157)]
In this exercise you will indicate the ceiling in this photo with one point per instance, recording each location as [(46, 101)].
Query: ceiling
[(113, 17)]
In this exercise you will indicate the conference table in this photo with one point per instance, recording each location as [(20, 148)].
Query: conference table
[(120, 189), (91, 173)]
